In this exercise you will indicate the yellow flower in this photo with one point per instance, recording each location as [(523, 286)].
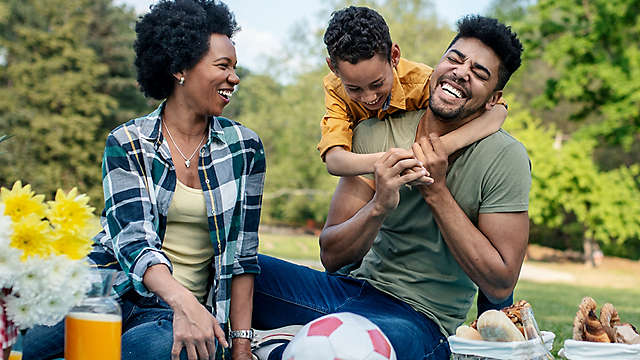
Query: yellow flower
[(70, 211), (32, 235), (74, 244), (21, 202)]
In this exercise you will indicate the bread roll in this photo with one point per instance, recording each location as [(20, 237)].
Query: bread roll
[(467, 332), (494, 325)]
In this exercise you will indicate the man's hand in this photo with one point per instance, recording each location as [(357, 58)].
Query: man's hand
[(391, 173), (194, 328), (430, 152)]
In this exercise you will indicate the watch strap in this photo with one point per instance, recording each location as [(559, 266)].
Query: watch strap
[(241, 334)]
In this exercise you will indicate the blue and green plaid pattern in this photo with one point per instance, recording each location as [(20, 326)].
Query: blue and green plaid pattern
[(139, 180)]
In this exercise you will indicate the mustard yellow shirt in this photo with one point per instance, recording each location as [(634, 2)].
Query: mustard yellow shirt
[(410, 91), (186, 241)]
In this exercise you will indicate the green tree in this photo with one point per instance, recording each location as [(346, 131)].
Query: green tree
[(592, 48), (572, 194), (52, 95)]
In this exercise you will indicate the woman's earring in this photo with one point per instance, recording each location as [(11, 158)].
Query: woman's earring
[(181, 82)]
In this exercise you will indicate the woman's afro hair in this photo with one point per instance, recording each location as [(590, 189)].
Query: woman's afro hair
[(173, 37), (357, 33)]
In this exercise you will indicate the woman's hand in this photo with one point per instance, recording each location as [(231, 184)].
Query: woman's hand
[(241, 349), (194, 328)]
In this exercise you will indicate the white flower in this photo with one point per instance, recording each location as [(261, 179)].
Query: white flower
[(32, 280), (22, 311), (9, 266)]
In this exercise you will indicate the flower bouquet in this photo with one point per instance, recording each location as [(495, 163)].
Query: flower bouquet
[(42, 247)]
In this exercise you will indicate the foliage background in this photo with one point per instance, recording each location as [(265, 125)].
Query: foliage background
[(67, 78)]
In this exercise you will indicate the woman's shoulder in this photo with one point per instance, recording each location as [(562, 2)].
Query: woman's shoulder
[(235, 130), (144, 126)]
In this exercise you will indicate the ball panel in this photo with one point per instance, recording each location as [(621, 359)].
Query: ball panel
[(380, 343), (324, 326)]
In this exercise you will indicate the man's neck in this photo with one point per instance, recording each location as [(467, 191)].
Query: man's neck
[(431, 123)]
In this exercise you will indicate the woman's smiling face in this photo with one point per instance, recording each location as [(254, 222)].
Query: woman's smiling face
[(210, 83)]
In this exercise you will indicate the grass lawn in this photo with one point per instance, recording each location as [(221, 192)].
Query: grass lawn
[(555, 305)]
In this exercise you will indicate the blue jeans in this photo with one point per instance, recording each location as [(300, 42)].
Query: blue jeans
[(287, 294), (147, 332)]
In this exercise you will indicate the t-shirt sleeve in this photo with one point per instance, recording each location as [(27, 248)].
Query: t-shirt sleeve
[(506, 185)]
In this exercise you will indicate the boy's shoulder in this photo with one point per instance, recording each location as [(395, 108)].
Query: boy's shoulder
[(411, 72)]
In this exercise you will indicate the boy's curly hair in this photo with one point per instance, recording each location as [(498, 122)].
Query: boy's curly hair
[(498, 37), (173, 37), (357, 33)]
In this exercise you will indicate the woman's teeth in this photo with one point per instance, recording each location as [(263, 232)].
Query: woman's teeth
[(225, 93)]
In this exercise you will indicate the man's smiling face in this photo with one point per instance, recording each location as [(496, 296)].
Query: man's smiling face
[(465, 80)]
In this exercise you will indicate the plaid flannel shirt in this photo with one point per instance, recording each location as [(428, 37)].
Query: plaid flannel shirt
[(139, 180)]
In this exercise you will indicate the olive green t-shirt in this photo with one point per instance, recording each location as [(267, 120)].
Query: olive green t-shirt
[(409, 258)]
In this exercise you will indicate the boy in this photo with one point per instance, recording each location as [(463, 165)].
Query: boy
[(368, 79)]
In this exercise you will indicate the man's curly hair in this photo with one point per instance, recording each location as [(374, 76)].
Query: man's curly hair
[(173, 37), (357, 33), (498, 37)]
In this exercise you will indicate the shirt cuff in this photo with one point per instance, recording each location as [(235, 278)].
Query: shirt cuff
[(246, 265), (334, 139), (147, 258)]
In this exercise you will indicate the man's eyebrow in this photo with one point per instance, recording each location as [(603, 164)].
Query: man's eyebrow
[(223, 58), (482, 68), (457, 52), (475, 65)]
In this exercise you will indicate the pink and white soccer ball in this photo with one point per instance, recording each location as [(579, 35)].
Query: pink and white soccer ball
[(344, 336)]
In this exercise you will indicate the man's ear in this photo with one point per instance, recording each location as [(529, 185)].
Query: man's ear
[(395, 54), (493, 99), (330, 65)]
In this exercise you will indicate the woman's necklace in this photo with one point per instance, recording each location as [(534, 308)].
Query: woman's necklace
[(187, 161)]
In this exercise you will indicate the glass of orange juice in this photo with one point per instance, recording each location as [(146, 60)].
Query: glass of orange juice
[(15, 355), (93, 328)]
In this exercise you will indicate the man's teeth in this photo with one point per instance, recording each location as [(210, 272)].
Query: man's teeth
[(225, 93), (450, 89)]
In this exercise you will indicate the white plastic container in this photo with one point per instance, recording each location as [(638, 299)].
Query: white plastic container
[(492, 350), (585, 350)]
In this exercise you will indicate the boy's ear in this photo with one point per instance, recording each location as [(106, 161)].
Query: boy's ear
[(495, 97), (331, 66), (395, 54)]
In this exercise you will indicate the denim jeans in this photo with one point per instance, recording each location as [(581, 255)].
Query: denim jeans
[(147, 332), (287, 294)]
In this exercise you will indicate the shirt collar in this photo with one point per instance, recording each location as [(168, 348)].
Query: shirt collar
[(150, 127), (398, 97)]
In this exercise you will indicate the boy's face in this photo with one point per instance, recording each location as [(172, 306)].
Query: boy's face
[(367, 82)]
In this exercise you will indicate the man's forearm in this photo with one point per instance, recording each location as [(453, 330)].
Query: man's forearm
[(348, 242)]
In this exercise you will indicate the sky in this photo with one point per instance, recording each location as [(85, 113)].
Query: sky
[(266, 24)]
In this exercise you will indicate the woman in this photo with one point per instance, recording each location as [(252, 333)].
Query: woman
[(183, 190)]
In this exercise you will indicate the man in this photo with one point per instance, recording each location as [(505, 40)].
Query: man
[(424, 249)]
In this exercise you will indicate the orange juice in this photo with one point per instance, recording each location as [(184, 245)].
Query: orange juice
[(15, 355), (92, 336)]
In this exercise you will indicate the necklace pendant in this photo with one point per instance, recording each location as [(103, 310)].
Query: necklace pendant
[(187, 163)]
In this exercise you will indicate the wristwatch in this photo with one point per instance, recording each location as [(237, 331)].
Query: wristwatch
[(242, 334)]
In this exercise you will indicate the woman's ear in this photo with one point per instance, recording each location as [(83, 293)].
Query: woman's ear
[(179, 76)]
